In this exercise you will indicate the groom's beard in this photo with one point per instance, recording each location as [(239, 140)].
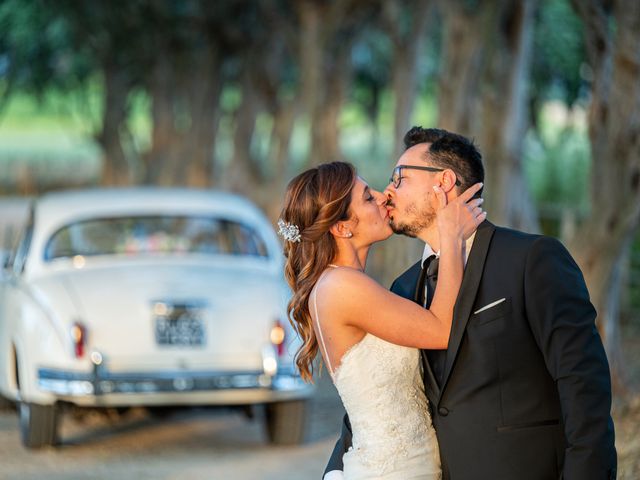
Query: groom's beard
[(418, 220)]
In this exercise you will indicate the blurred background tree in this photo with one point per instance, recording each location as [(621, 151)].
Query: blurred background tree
[(242, 95)]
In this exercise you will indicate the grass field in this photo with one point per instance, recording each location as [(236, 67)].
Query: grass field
[(45, 143)]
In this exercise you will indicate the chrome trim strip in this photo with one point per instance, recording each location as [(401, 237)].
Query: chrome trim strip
[(101, 382)]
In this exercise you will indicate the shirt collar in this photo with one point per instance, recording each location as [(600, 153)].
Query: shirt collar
[(428, 251)]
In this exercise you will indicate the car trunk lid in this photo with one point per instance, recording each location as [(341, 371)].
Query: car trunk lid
[(174, 316)]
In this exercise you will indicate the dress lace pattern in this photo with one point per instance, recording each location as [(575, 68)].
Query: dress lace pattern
[(380, 385), (381, 388)]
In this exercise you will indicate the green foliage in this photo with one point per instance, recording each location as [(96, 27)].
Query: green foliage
[(372, 60), (35, 49), (44, 146), (372, 69), (77, 37), (557, 166), (63, 45), (559, 71)]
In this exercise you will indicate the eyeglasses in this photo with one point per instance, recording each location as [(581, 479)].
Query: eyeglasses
[(396, 176)]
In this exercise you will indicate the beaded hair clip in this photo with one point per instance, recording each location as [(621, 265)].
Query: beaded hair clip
[(288, 231)]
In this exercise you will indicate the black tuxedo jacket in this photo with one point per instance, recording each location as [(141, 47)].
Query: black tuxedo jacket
[(526, 392)]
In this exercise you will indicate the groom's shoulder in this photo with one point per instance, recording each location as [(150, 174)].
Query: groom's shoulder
[(513, 235), (505, 238), (409, 273), (406, 282)]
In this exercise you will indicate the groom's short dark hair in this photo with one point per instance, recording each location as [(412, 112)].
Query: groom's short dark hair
[(449, 150)]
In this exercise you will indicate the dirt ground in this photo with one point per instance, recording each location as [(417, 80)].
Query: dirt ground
[(186, 444), (222, 444)]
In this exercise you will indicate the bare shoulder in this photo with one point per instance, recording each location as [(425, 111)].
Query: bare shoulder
[(343, 286)]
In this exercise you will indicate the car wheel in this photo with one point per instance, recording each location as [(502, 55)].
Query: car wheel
[(6, 404), (38, 424), (286, 422), (163, 412)]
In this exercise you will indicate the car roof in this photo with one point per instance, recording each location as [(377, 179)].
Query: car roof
[(63, 206), (55, 210)]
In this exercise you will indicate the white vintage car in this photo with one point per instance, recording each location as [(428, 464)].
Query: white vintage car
[(123, 297)]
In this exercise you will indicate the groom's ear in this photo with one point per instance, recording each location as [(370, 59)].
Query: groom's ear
[(448, 182)]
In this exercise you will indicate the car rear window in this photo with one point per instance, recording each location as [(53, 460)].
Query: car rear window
[(155, 235)]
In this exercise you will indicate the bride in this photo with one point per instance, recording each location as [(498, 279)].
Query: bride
[(369, 337)]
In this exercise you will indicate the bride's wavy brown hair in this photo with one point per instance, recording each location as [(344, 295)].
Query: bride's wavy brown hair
[(315, 200)]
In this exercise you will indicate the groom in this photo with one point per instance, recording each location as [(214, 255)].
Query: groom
[(523, 390)]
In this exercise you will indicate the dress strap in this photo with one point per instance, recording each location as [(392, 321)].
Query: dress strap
[(323, 347)]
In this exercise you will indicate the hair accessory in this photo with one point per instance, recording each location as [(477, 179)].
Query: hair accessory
[(289, 231)]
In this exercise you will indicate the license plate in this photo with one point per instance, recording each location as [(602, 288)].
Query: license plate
[(180, 324)]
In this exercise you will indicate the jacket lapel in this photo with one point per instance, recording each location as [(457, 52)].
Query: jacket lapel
[(408, 286), (466, 297), (431, 388), (430, 384)]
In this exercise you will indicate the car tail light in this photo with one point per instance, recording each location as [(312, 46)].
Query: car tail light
[(79, 338), (277, 337)]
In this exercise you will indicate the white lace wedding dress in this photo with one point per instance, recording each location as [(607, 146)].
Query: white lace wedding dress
[(381, 387)]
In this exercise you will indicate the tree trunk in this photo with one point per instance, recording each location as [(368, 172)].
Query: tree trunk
[(282, 129), (203, 93), (602, 242), (185, 91), (328, 31), (244, 170), (116, 170), (283, 117), (283, 100), (163, 133), (325, 116), (310, 52), (407, 49), (266, 91), (505, 100), (483, 95), (463, 53), (393, 256)]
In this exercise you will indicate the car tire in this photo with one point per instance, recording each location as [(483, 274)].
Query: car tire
[(286, 422), (162, 412), (38, 424), (6, 404)]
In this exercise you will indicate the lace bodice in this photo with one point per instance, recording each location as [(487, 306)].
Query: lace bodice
[(381, 387)]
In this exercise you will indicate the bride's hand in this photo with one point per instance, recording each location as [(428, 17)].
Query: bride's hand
[(461, 216)]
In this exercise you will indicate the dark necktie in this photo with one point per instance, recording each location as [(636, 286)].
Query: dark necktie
[(431, 278), (430, 272)]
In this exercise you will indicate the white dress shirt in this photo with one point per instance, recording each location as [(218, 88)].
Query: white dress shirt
[(428, 251)]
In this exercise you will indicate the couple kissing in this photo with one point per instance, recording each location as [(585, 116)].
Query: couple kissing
[(482, 361)]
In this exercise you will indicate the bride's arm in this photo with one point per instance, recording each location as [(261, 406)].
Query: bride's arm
[(355, 299), (456, 222)]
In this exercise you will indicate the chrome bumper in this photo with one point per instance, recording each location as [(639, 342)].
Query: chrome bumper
[(102, 384)]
